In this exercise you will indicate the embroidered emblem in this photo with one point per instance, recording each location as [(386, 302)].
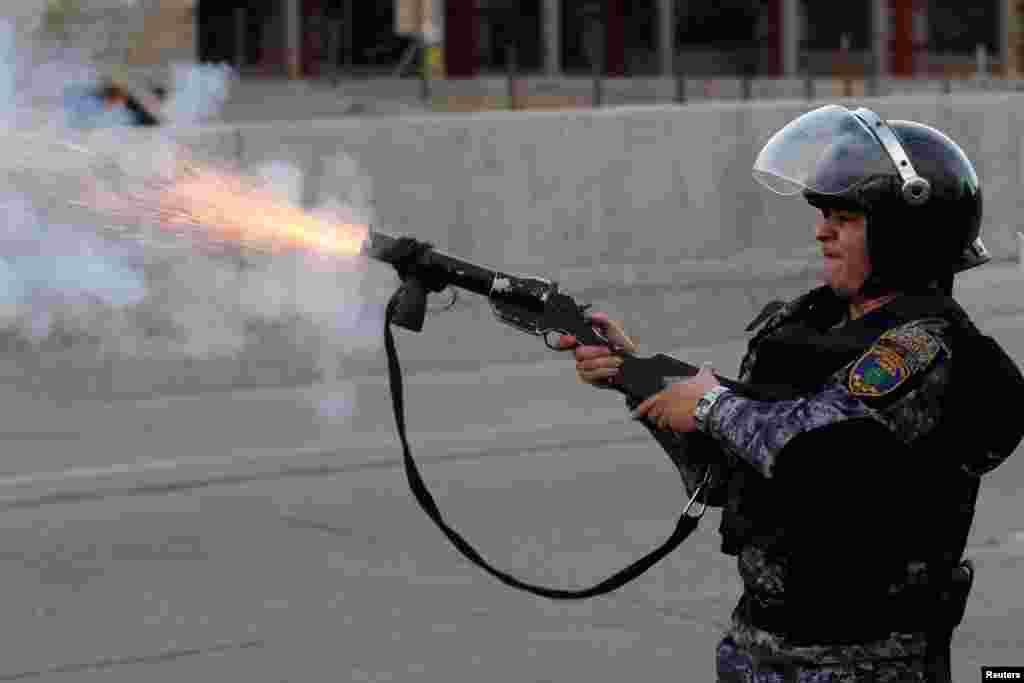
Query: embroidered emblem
[(896, 356), (878, 372)]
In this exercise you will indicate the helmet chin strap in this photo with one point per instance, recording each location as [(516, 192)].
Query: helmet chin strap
[(875, 285)]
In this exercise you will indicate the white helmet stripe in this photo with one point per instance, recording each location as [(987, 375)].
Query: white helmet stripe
[(916, 190)]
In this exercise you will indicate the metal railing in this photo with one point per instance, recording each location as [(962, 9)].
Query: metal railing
[(699, 77)]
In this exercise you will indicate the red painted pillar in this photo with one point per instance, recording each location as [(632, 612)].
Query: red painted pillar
[(615, 37), (774, 36), (902, 38), (461, 38), (314, 37)]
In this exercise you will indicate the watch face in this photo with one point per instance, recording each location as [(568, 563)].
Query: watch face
[(700, 413), (702, 409)]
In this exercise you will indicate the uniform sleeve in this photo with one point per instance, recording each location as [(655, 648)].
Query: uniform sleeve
[(898, 384)]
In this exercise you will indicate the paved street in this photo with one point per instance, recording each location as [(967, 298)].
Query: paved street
[(343, 578), (176, 540)]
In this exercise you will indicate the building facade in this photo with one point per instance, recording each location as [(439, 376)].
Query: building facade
[(768, 38), (616, 37)]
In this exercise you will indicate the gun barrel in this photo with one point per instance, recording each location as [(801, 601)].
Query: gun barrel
[(449, 269)]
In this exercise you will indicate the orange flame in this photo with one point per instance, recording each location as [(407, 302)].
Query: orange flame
[(214, 206)]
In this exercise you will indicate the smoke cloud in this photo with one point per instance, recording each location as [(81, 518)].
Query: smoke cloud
[(118, 283)]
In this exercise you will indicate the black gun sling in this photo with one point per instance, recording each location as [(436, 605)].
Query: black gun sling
[(684, 527)]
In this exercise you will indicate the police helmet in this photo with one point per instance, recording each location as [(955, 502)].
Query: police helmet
[(918, 189)]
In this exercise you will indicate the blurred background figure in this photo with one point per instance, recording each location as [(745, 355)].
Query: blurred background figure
[(114, 101)]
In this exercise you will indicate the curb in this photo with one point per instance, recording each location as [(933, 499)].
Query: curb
[(986, 295), (596, 421)]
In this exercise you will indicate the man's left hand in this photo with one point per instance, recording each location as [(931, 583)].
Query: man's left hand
[(672, 409)]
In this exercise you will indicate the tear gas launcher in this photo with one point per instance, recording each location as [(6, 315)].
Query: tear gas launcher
[(533, 305), (217, 208)]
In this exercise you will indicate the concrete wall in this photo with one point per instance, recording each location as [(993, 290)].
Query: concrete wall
[(649, 213), (263, 100), (668, 187)]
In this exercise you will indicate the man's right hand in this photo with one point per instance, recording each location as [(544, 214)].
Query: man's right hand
[(598, 365)]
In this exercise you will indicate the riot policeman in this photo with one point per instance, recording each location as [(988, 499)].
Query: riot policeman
[(848, 508)]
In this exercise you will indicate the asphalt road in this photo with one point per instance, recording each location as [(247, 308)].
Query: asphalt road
[(342, 578), (329, 572)]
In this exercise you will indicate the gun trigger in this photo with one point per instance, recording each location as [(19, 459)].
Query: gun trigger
[(547, 340)]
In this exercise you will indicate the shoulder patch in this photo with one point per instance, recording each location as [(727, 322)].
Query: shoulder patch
[(892, 360)]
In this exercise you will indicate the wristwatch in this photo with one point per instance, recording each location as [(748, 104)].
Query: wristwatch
[(705, 404)]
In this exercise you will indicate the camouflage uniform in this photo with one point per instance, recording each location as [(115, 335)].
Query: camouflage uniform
[(794, 479)]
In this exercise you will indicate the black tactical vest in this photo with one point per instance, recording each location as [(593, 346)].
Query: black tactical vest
[(803, 349), (883, 507)]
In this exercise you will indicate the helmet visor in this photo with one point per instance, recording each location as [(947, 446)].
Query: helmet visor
[(828, 151)]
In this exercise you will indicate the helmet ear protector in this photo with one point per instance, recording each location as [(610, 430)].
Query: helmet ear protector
[(915, 189)]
